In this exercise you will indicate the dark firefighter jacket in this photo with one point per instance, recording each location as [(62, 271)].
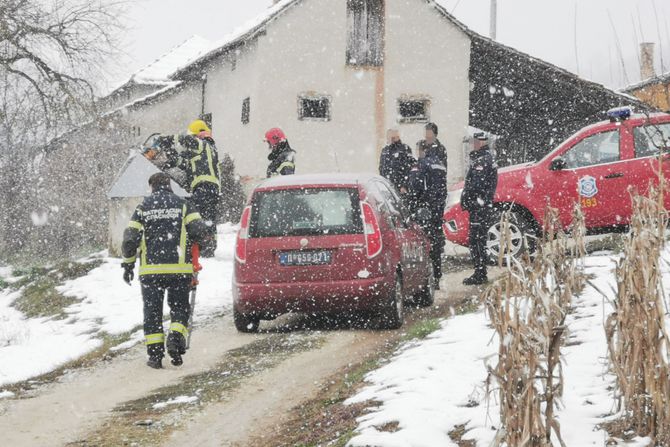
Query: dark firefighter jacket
[(198, 158), (436, 148), (395, 163), (428, 181), (282, 160), (480, 182), (163, 227)]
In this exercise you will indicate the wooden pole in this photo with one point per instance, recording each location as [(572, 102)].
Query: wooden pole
[(494, 20)]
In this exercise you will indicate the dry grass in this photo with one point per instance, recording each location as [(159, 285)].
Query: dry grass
[(528, 306), (637, 339)]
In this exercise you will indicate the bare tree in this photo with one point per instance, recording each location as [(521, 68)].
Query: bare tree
[(51, 50)]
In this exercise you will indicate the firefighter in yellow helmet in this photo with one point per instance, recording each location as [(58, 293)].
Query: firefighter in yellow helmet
[(195, 153)]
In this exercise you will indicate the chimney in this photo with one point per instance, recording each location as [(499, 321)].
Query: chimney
[(647, 70)]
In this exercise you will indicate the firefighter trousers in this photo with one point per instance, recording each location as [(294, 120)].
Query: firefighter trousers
[(154, 288), (205, 198), (478, 235)]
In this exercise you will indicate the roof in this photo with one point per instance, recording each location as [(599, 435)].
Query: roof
[(239, 36), (660, 79), (316, 179), (133, 179)]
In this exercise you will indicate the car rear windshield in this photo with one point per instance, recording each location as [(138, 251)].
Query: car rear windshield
[(306, 212)]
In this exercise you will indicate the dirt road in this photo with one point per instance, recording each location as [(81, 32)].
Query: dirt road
[(75, 406)]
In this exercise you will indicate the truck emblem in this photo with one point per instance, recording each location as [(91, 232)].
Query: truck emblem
[(588, 187)]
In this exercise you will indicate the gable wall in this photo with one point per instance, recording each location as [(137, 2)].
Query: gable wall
[(304, 51)]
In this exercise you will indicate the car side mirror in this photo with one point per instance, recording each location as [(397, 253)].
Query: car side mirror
[(558, 164)]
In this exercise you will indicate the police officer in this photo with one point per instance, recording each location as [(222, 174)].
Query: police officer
[(196, 154), (428, 193), (163, 228), (396, 162), (282, 156), (431, 142), (477, 198)]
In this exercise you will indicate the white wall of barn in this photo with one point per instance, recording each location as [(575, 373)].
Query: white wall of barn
[(304, 51)]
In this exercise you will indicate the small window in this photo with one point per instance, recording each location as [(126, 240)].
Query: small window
[(651, 139), (246, 110), (597, 149), (314, 108), (365, 33), (413, 110)]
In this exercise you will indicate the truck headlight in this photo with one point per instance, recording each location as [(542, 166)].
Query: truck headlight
[(454, 198)]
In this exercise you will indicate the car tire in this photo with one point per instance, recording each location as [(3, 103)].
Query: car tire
[(393, 310), (426, 296), (524, 236), (245, 323)]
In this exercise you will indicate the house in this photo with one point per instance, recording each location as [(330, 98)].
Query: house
[(335, 74), (653, 90)]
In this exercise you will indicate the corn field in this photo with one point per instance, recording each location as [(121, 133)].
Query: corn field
[(637, 339), (527, 307)]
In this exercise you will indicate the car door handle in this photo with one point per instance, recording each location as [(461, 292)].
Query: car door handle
[(614, 175)]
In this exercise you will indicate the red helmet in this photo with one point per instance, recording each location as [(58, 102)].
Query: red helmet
[(275, 136)]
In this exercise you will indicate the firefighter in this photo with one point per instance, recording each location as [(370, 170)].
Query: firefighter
[(196, 154), (163, 228), (477, 198), (396, 161), (428, 196), (282, 156)]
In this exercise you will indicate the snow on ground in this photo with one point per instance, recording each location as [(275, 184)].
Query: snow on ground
[(33, 346), (432, 386), (179, 400)]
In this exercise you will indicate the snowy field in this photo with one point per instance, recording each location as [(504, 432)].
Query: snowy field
[(430, 387), (33, 346)]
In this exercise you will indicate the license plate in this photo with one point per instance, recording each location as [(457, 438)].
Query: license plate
[(305, 258)]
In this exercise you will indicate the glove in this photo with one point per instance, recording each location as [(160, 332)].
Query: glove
[(128, 272)]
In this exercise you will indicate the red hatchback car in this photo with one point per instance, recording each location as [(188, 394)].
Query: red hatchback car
[(328, 244), (596, 167)]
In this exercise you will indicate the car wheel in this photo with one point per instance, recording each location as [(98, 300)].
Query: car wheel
[(245, 323), (393, 311), (426, 297), (523, 237)]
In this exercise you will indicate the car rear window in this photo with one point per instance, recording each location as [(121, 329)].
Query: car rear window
[(306, 212)]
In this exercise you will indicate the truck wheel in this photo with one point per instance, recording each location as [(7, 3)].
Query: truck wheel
[(426, 297), (393, 310), (523, 235), (245, 323)]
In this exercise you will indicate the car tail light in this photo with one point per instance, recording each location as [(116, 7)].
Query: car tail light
[(373, 235), (242, 236)]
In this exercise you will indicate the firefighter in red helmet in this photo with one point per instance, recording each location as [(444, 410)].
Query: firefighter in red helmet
[(282, 157)]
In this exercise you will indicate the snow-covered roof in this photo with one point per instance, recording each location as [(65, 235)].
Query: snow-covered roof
[(660, 79), (161, 70), (133, 179)]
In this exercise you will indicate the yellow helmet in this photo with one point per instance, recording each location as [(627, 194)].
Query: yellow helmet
[(198, 126)]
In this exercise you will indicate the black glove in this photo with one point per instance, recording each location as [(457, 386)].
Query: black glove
[(128, 272)]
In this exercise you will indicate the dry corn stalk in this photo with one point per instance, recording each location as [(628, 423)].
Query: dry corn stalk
[(636, 335), (527, 307)]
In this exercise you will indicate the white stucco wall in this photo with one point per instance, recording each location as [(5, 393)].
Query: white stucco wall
[(304, 51)]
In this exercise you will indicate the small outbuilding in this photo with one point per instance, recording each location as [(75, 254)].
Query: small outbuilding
[(130, 187)]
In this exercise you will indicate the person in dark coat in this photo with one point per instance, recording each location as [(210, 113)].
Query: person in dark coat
[(477, 198), (396, 161), (428, 196), (431, 142), (282, 156), (161, 233)]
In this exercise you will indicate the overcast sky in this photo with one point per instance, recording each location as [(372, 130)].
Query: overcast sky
[(542, 28)]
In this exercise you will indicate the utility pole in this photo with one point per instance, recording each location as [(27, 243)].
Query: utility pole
[(494, 19)]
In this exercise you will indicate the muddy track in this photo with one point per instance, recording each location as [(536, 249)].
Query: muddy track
[(79, 407)]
